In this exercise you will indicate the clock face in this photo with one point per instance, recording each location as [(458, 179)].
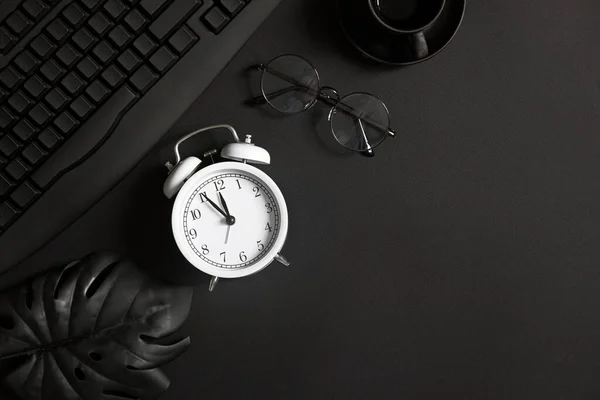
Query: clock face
[(230, 219)]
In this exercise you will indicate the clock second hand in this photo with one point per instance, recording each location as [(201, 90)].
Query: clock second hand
[(227, 234)]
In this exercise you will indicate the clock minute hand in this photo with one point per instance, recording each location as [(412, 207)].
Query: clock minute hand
[(215, 206)]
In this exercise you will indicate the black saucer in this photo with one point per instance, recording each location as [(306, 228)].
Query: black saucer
[(397, 49)]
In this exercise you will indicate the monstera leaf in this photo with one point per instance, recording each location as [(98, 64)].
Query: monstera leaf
[(90, 331)]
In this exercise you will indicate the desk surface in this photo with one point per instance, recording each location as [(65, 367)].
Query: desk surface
[(462, 261)]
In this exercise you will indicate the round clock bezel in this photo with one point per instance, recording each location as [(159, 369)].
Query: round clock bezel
[(179, 230)]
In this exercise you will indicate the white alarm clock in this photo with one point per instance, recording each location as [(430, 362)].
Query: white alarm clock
[(229, 219)]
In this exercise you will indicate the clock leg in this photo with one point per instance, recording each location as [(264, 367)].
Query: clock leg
[(282, 260), (213, 283)]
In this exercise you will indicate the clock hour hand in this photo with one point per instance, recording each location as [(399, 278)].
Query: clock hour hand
[(229, 219), (224, 203)]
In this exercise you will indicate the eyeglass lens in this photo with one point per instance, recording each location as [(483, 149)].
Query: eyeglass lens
[(290, 84), (359, 121)]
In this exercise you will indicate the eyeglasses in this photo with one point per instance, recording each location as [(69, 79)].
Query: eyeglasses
[(290, 84)]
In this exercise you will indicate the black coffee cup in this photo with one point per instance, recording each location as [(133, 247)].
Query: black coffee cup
[(374, 23)]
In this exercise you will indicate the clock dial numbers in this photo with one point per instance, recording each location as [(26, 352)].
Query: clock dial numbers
[(219, 185), (231, 245)]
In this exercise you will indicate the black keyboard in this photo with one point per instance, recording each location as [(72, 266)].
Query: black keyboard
[(87, 87)]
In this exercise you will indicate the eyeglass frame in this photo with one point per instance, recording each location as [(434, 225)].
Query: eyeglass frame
[(329, 100)]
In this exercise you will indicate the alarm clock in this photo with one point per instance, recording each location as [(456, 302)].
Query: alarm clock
[(229, 219)]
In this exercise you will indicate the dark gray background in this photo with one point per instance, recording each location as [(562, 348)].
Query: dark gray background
[(461, 262)]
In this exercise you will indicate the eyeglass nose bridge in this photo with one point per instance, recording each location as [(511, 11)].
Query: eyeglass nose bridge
[(329, 95)]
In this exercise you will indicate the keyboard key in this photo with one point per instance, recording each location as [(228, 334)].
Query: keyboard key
[(144, 45), (52, 71), (97, 91), (23, 130), (232, 7), (178, 11), (115, 8), (3, 95), (182, 40), (58, 30), (99, 23), (143, 79), (40, 114), (88, 67), (49, 138), (84, 39), (24, 194), (67, 55), (33, 154), (41, 45), (81, 106), (16, 169), (6, 118), (135, 20), (4, 185), (19, 102), (119, 36), (65, 123), (90, 4), (163, 59), (36, 87), (8, 145), (72, 83), (10, 77), (18, 23), (7, 41), (104, 52), (152, 6), (128, 60), (88, 136), (215, 20), (56, 99), (74, 15), (113, 76), (7, 214), (26, 61), (35, 9)]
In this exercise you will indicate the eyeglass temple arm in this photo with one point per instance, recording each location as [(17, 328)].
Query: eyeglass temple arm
[(352, 112), (369, 151), (261, 100)]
